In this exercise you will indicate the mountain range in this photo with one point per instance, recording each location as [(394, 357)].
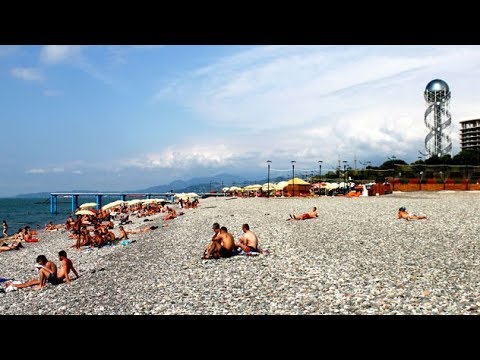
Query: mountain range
[(196, 184)]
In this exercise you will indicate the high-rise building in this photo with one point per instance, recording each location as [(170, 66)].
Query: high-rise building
[(470, 134)]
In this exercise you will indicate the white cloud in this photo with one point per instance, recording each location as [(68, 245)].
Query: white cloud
[(55, 54), (199, 155), (329, 99), (46, 170), (36, 171), (27, 74), (78, 172)]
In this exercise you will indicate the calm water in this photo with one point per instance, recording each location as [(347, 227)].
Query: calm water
[(35, 212)]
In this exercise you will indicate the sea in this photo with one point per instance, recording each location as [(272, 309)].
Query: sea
[(19, 212)]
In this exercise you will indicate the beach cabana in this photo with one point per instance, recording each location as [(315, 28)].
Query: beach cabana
[(299, 186)]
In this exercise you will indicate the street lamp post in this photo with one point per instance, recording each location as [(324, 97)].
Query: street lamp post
[(420, 180), (345, 176), (320, 170), (268, 178), (293, 177)]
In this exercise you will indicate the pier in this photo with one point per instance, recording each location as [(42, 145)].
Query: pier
[(121, 195)]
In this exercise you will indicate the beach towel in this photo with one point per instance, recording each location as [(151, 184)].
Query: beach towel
[(127, 242), (5, 279), (11, 288)]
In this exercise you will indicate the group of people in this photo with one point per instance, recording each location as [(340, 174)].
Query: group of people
[(48, 272), (223, 244)]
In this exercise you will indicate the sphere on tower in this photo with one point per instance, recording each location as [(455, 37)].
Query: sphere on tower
[(437, 91), (437, 118)]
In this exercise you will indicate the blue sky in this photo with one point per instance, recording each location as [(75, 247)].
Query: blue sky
[(130, 117)]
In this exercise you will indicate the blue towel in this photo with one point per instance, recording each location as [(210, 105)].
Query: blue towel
[(5, 279)]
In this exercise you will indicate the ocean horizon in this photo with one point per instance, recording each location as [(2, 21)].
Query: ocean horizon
[(20, 212)]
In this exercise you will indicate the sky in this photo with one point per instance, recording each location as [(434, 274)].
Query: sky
[(129, 117)]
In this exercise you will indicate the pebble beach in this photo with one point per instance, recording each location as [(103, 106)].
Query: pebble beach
[(356, 258)]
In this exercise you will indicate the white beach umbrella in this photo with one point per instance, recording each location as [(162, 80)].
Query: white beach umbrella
[(133, 202), (112, 204), (88, 205), (84, 212)]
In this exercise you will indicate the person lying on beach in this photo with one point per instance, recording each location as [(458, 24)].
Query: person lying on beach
[(28, 234), (404, 214), (312, 214), (8, 247), (66, 265), (52, 227), (47, 271), (223, 245), (144, 230), (249, 241)]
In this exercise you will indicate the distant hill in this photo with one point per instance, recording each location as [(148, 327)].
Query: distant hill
[(196, 184)]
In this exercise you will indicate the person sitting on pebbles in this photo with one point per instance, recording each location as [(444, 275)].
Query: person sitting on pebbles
[(404, 214), (223, 245), (311, 215), (47, 271), (249, 241)]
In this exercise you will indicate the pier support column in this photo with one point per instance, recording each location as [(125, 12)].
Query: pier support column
[(98, 199), (148, 196), (123, 197), (74, 202), (53, 204)]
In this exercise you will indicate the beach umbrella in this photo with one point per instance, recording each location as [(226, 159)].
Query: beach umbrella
[(267, 186), (133, 202), (281, 185), (225, 189), (150, 201), (234, 188), (112, 204), (298, 181), (252, 187), (88, 205), (84, 212), (192, 195)]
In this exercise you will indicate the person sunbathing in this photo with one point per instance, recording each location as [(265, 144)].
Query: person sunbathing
[(312, 214), (404, 214), (52, 227), (172, 214), (249, 241), (123, 234), (8, 247)]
